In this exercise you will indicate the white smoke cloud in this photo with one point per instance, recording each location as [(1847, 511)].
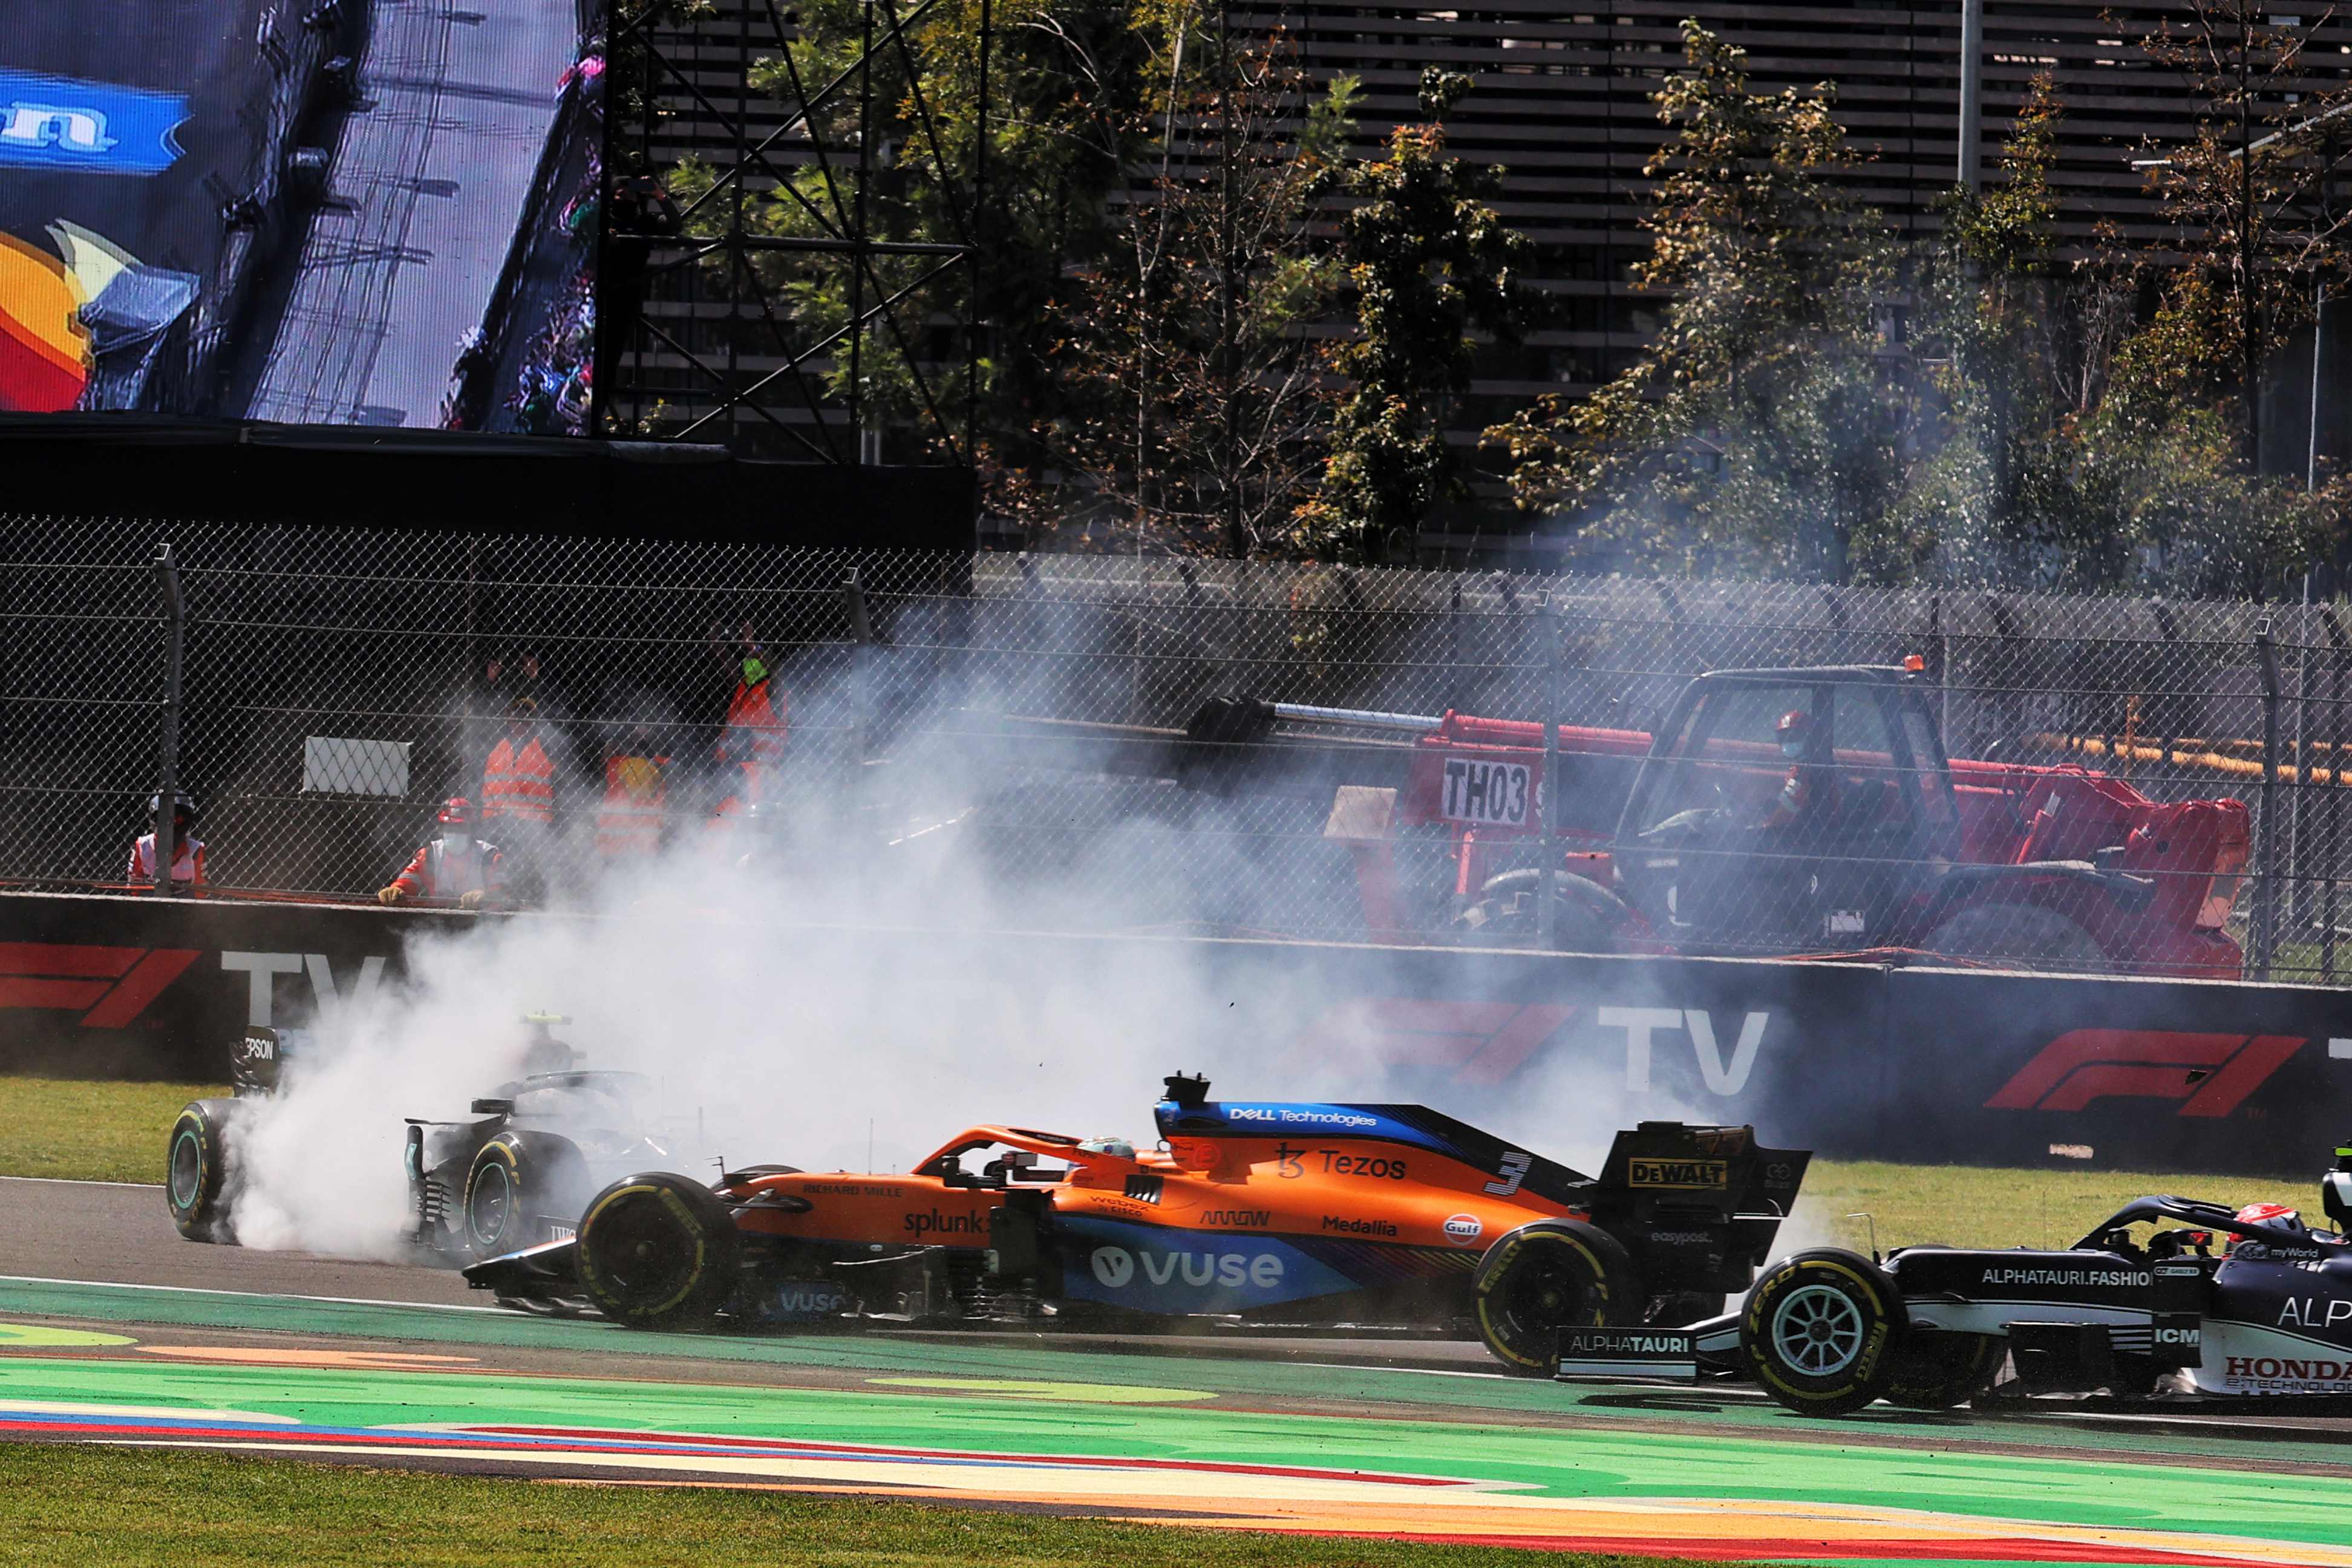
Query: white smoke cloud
[(843, 998)]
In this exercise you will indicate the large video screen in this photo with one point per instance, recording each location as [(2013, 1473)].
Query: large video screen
[(325, 212)]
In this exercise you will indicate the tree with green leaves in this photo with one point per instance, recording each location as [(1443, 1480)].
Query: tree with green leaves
[(2072, 444), (1195, 403), (889, 147), (1760, 435), (1429, 264)]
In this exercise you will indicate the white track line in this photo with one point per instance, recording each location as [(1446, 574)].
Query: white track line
[(71, 1182), (257, 1295)]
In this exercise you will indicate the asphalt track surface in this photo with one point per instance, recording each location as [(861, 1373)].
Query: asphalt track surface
[(112, 1328)]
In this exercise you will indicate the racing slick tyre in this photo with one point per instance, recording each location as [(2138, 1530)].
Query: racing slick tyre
[(1820, 1331), (658, 1251), (1936, 1370), (1586, 918), (196, 1166), (518, 1179), (1545, 1277), (2018, 933)]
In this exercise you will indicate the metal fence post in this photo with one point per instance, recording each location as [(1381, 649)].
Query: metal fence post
[(1547, 884), (2266, 902), (167, 792), (861, 635)]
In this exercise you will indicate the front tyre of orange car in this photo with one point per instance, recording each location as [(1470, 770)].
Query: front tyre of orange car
[(1545, 1277), (658, 1251), (1820, 1331)]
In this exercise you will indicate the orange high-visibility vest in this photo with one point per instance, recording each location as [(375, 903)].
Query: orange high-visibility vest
[(755, 731), (519, 783), (187, 861), (630, 822)]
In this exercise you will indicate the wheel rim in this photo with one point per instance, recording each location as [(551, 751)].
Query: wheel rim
[(1548, 1291), (493, 1203), (187, 1170), (642, 1251), (1818, 1331)]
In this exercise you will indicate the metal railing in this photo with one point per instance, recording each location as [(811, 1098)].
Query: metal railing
[(1078, 741)]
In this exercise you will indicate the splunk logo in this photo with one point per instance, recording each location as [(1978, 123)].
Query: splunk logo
[(973, 1222), (2212, 1075), (1115, 1268)]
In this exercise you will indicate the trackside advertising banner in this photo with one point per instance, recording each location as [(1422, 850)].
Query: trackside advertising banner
[(1852, 1061)]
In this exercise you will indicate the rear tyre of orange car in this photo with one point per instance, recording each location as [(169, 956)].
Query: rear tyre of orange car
[(518, 1179), (1820, 1330), (658, 1251), (1935, 1370), (1543, 1277), (196, 1170)]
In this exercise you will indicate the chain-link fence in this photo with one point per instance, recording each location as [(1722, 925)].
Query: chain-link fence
[(1098, 742)]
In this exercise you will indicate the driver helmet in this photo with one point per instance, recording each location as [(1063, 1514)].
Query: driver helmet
[(2260, 1213), (1794, 730), (1118, 1146), (456, 811), (184, 805)]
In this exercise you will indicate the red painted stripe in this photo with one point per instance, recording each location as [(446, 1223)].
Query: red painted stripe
[(75, 993), (2021, 1549), (67, 958), (138, 987)]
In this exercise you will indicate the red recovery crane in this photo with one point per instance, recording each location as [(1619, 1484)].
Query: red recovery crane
[(1796, 812)]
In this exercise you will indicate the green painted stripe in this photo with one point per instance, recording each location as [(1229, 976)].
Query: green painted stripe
[(1583, 1462)]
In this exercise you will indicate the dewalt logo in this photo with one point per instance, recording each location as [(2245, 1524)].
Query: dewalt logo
[(1711, 1174)]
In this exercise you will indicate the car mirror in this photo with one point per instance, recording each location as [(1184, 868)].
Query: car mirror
[(494, 1107)]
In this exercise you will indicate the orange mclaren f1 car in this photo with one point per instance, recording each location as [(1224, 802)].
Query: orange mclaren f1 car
[(1270, 1215)]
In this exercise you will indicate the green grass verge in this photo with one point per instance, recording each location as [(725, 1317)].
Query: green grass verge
[(114, 1508), (115, 1133), (90, 1132), (1967, 1206)]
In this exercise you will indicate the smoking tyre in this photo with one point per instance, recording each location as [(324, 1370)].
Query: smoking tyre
[(196, 1170), (1819, 1329), (518, 1180)]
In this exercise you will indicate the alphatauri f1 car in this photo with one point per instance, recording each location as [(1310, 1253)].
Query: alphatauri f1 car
[(1252, 1213), (2170, 1295), (516, 1170)]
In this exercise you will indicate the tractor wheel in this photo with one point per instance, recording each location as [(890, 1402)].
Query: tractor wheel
[(1543, 1277), (1820, 1331), (518, 1179), (1586, 917), (1935, 1370), (658, 1251), (2026, 935), (195, 1167)]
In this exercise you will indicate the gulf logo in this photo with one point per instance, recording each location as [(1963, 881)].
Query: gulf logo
[(1462, 1229)]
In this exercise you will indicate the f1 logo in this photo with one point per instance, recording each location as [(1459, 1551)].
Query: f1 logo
[(2213, 1073), (110, 986)]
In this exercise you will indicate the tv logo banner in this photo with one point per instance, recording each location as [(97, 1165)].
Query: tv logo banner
[(58, 123)]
